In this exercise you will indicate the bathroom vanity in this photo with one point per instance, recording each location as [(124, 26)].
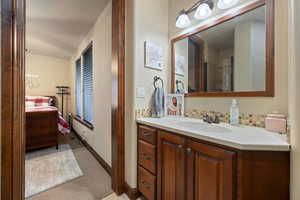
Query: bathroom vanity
[(187, 159)]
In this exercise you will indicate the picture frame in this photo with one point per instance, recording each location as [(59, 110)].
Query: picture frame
[(174, 105), (154, 56)]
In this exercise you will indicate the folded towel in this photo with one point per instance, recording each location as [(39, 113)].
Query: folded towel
[(158, 102)]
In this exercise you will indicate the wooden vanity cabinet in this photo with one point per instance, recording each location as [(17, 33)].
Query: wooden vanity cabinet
[(192, 170), (171, 157), (210, 172), (186, 168)]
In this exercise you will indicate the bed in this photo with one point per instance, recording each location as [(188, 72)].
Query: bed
[(43, 122)]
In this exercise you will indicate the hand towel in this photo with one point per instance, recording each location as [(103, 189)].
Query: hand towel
[(158, 102)]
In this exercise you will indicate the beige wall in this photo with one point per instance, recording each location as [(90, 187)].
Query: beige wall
[(100, 34), (249, 56), (247, 105), (51, 71), (294, 96), (146, 21)]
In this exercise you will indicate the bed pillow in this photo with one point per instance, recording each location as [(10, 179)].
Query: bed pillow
[(38, 100), (42, 101), (29, 104)]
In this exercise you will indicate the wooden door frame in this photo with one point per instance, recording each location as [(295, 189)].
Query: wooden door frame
[(13, 95), (118, 96), (12, 99)]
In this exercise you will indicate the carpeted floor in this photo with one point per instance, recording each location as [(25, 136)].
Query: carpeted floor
[(93, 185)]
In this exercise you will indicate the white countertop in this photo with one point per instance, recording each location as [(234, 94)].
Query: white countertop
[(239, 137)]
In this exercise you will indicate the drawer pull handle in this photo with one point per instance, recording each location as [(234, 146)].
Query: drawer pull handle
[(148, 186), (189, 150), (146, 134), (147, 157), (180, 146)]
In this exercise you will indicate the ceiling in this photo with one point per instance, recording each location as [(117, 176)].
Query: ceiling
[(56, 27)]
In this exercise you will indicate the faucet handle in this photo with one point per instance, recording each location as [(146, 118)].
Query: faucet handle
[(217, 119), (207, 118)]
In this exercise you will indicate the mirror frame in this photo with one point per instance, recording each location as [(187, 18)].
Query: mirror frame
[(270, 51)]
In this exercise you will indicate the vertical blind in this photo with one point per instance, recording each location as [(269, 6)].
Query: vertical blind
[(88, 85), (78, 87)]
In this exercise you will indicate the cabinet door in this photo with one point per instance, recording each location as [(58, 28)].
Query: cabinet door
[(171, 164), (210, 172)]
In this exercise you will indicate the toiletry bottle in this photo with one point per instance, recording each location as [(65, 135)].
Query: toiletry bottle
[(234, 113)]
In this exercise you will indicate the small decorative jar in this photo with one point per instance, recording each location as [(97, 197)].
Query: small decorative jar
[(276, 123)]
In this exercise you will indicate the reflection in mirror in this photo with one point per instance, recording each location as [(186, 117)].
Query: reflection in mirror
[(229, 57)]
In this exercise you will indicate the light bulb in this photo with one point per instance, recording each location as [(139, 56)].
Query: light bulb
[(183, 21), (203, 11), (225, 4)]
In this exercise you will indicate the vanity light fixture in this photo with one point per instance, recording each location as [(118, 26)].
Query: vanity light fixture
[(183, 20), (203, 9), (225, 4)]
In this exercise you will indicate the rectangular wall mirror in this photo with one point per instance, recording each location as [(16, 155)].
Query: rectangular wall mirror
[(233, 56)]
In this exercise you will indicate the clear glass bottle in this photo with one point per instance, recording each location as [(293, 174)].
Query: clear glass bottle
[(234, 113)]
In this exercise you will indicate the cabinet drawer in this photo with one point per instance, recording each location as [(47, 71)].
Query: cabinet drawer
[(147, 184), (147, 156), (147, 134)]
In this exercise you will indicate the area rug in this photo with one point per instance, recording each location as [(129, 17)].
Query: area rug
[(47, 168)]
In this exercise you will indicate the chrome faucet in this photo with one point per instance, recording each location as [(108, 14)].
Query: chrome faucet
[(211, 119)]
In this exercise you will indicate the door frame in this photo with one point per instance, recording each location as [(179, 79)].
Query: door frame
[(13, 21), (118, 96)]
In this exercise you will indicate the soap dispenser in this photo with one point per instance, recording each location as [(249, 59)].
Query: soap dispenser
[(234, 113)]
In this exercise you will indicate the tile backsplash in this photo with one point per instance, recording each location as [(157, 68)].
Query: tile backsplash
[(143, 113), (257, 120)]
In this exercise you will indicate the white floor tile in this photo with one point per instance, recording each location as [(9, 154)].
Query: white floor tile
[(115, 197)]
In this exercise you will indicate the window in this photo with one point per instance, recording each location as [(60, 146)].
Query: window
[(84, 87), (78, 88), (88, 85)]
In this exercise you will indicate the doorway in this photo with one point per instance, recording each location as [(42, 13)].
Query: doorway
[(13, 93)]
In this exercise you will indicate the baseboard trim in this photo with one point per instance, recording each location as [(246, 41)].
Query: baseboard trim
[(132, 193), (94, 153)]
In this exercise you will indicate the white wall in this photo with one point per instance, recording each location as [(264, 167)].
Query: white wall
[(242, 62), (259, 55), (247, 105), (51, 72), (100, 34), (294, 96), (249, 56), (146, 21)]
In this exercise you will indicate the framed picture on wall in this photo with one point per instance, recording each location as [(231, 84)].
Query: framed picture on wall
[(154, 56), (174, 105)]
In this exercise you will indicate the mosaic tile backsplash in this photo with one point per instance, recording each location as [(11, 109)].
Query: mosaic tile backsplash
[(245, 119), (257, 120)]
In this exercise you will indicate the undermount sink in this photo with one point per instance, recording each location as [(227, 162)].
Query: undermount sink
[(204, 127)]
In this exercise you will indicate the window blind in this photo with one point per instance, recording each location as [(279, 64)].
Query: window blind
[(78, 87), (88, 85)]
